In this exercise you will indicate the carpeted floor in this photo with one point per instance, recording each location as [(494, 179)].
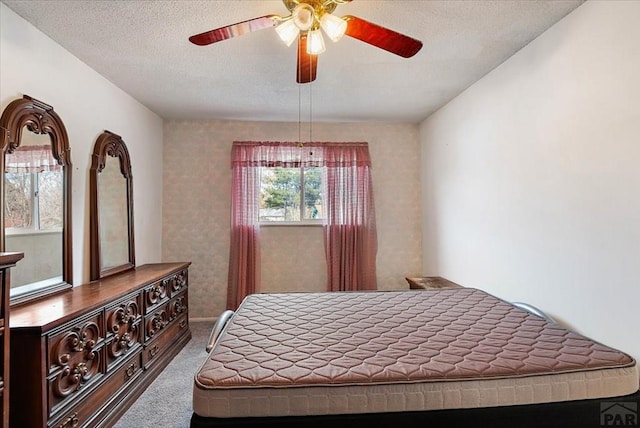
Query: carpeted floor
[(173, 388)]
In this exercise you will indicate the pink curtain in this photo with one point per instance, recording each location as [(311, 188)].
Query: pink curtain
[(244, 258), (349, 226), (28, 159), (350, 236)]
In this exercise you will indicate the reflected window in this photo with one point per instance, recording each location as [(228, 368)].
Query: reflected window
[(34, 213), (33, 201)]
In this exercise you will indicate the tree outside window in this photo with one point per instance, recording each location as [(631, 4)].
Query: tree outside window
[(291, 194)]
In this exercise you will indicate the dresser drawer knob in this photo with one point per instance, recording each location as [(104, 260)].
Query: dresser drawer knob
[(130, 371), (153, 351), (70, 422)]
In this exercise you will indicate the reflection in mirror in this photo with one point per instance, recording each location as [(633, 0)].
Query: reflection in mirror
[(113, 218), (36, 198), (33, 211), (110, 181)]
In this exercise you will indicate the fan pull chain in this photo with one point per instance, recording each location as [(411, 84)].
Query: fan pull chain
[(299, 116), (310, 113), (310, 108)]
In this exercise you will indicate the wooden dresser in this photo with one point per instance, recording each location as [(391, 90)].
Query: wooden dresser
[(81, 358), (7, 260)]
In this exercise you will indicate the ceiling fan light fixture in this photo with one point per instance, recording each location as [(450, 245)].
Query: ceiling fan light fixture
[(315, 43), (333, 26), (304, 16), (288, 31), (307, 21)]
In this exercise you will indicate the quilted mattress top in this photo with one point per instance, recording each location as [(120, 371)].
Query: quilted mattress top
[(309, 339)]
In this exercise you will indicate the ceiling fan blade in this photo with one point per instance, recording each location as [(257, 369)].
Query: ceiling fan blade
[(381, 37), (307, 64), (239, 29)]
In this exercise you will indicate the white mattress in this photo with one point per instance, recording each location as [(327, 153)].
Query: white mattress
[(240, 379)]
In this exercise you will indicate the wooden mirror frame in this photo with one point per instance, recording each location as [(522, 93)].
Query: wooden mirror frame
[(109, 144), (39, 118)]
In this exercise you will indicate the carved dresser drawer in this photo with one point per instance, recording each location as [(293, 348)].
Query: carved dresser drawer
[(179, 282), (156, 347), (156, 321), (80, 358), (159, 319), (178, 305), (85, 411), (156, 295), (124, 328), (74, 351)]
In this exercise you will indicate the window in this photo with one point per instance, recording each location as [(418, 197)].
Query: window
[(290, 195), (33, 201), (284, 183)]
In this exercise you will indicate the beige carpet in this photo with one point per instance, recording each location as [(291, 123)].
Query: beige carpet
[(166, 403)]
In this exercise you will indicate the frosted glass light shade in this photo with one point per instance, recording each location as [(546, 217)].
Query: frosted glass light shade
[(288, 31), (303, 16), (315, 43), (333, 26)]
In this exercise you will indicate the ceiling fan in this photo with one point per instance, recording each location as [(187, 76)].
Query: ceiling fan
[(306, 19)]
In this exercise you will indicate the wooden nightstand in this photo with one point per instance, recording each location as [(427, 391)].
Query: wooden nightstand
[(430, 283)]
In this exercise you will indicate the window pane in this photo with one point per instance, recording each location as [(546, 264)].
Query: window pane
[(50, 199), (280, 194), (313, 209), (18, 201)]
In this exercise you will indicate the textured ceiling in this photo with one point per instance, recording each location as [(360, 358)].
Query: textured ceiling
[(142, 47)]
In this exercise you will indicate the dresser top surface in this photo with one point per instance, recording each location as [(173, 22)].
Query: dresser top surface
[(59, 308), (10, 259)]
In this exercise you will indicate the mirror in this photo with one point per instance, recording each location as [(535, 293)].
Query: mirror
[(111, 187), (36, 198)]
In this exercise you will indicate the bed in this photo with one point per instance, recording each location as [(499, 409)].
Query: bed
[(449, 357)]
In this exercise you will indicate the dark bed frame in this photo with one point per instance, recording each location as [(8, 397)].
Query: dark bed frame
[(615, 411)]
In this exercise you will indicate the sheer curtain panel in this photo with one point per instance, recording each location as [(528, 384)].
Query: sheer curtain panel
[(350, 236), (244, 257), (29, 159)]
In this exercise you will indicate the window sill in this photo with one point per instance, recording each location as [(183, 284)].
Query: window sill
[(25, 293), (32, 232), (290, 224)]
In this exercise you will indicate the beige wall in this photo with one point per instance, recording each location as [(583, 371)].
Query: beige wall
[(531, 184), (196, 209), (31, 63)]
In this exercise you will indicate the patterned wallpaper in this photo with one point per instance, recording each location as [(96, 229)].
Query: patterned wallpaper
[(196, 207)]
